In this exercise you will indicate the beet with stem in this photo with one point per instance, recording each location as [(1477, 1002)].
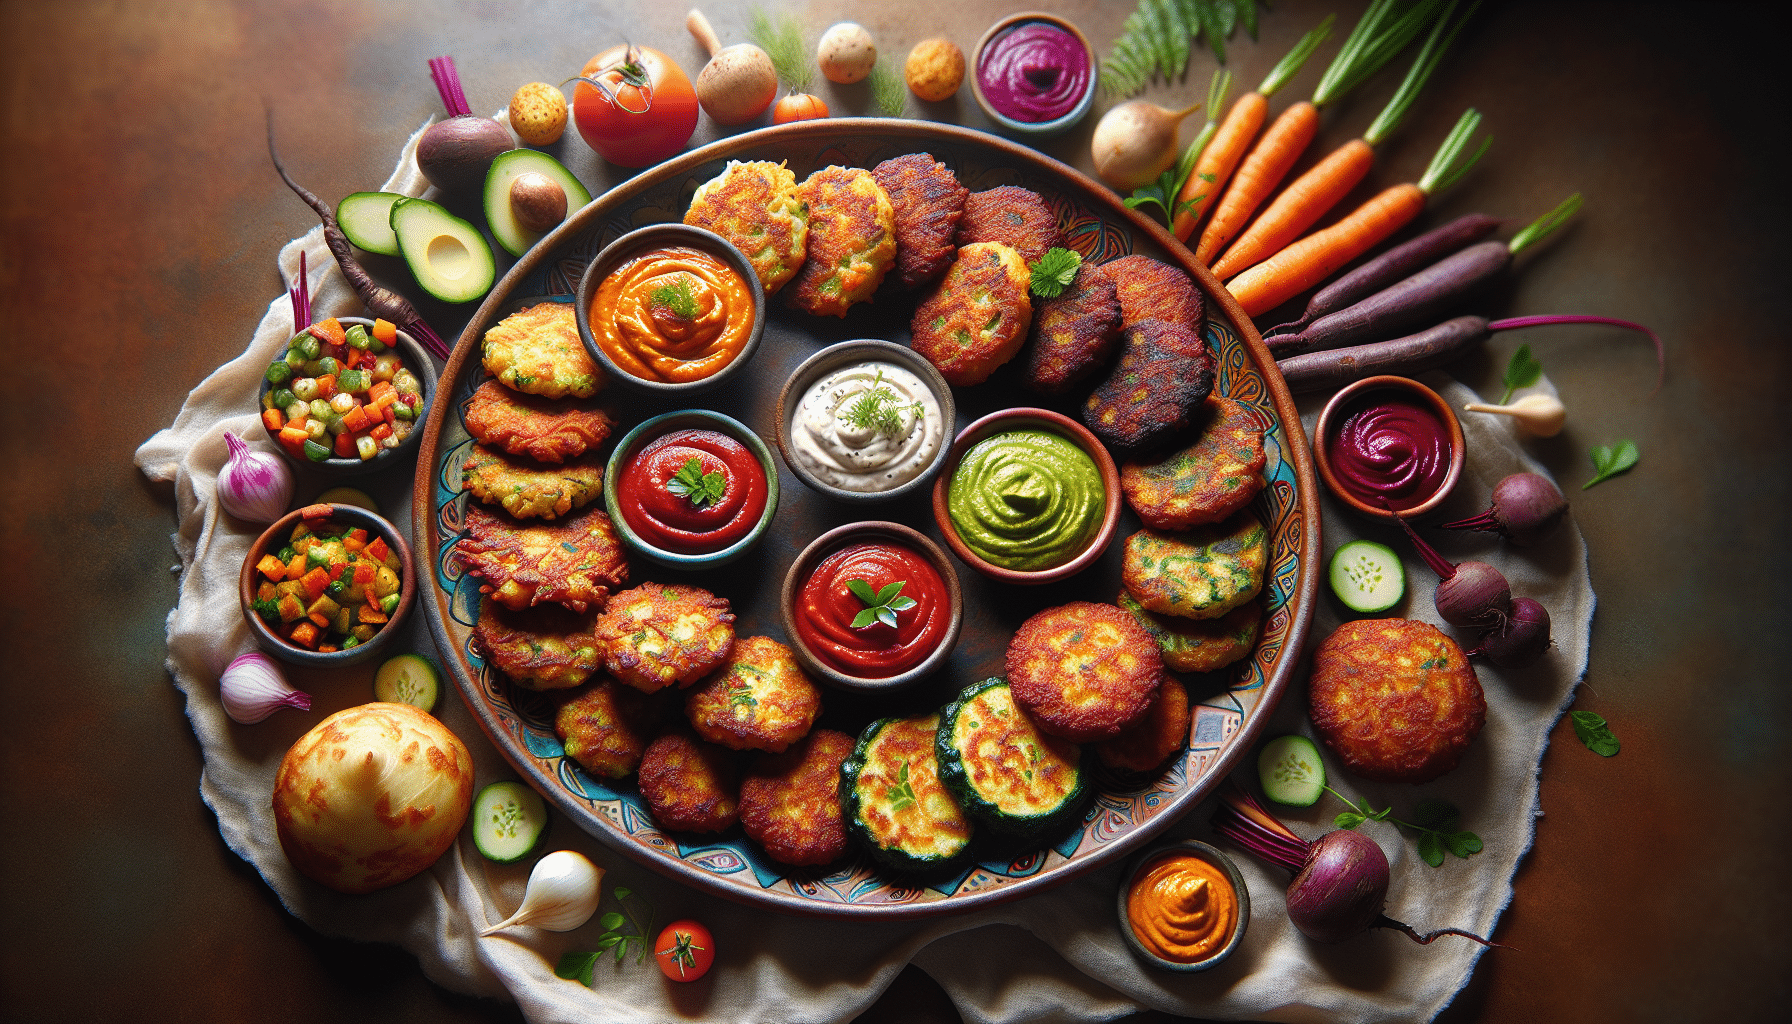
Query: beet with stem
[(456, 154), (1527, 508), (1469, 594)]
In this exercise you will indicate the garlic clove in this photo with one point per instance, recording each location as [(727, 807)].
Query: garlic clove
[(252, 688), (561, 895), (1537, 415)]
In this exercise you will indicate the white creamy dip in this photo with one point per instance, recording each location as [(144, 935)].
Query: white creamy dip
[(834, 439)]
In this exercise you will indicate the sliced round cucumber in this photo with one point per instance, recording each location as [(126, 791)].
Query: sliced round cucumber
[(509, 820), (408, 679), (366, 218), (1291, 772), (1367, 576), (349, 496)]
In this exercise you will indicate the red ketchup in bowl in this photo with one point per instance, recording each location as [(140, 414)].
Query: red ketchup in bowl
[(826, 607), (1393, 447), (695, 514)]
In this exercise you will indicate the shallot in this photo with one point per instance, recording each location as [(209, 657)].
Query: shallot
[(1527, 508), (253, 486), (252, 688)]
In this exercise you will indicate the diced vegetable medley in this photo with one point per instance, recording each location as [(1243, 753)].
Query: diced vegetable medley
[(330, 588), (341, 393)]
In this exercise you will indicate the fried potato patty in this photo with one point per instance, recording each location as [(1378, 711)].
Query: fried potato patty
[(543, 429), (576, 562), (852, 240), (606, 726), (1084, 671), (1200, 645), (928, 201), (1165, 370), (690, 785), (1153, 290), (1162, 732), (658, 634), (542, 648), (1395, 699), (755, 205), (537, 349), (760, 699), (1198, 574), (977, 318), (530, 491), (1203, 482), (1074, 334), (1015, 216), (790, 802)]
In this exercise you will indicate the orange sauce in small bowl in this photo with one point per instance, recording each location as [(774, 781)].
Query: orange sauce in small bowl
[(673, 315), (1182, 908)]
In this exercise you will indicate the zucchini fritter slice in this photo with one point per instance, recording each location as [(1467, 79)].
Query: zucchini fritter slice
[(1003, 769), (976, 319), (1016, 217), (543, 429), (537, 349), (659, 634), (755, 205), (1074, 334), (576, 561), (1198, 574), (1165, 370), (852, 240), (896, 804), (1203, 482), (606, 726), (760, 699), (529, 491), (543, 648), (790, 802), (928, 202), (690, 785), (1200, 645)]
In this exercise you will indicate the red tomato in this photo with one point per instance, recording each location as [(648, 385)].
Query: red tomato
[(645, 112), (685, 950), (798, 106)]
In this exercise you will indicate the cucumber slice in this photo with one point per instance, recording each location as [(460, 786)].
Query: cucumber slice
[(349, 496), (509, 820), (1367, 576), (447, 255), (408, 679), (366, 218), (1291, 772)]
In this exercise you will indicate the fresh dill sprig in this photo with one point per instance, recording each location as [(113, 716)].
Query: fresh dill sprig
[(782, 41), (888, 89), (676, 296), (879, 408)]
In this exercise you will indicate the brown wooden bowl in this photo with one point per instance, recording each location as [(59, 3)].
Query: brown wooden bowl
[(1346, 402), (276, 536)]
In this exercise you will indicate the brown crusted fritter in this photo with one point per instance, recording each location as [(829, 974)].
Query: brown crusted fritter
[(928, 201), (542, 648), (760, 699), (1074, 334), (1162, 732), (658, 634), (1395, 699), (1206, 481), (606, 726), (1014, 216), (690, 785), (1164, 372), (1201, 573), (1200, 645), (543, 429), (576, 561), (790, 802), (977, 318), (852, 240), (537, 349), (1153, 290), (1084, 671), (530, 491), (755, 205)]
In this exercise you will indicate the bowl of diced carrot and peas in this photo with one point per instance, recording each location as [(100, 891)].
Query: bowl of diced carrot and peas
[(347, 395), (327, 585)]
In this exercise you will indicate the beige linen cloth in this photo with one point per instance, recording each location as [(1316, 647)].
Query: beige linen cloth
[(1054, 956)]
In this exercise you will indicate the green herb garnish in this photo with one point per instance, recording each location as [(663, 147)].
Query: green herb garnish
[(782, 41), (1435, 822), (880, 606), (1053, 272), (1610, 460), (879, 408), (676, 297), (1170, 183), (1523, 371), (888, 89), (1158, 36), (1593, 732), (576, 965), (700, 488), (902, 794)]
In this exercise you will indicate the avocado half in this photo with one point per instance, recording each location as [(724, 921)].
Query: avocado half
[(448, 256), (505, 169)]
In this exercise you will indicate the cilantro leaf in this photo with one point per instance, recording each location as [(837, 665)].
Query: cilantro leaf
[(698, 487), (1594, 733), (1053, 272), (1522, 372), (1610, 460)]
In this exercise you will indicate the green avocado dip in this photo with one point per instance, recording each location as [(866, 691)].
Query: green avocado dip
[(1026, 500)]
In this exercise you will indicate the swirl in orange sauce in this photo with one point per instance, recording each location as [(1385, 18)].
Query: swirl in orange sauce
[(651, 341), (1182, 908)]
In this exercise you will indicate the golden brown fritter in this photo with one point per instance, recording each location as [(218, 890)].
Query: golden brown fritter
[(658, 634), (543, 429), (542, 648), (1206, 481), (977, 318), (690, 785), (1162, 732), (902, 804), (606, 726), (1395, 699), (1164, 372), (576, 562), (760, 699), (1200, 645), (1084, 671), (530, 491), (1201, 573), (929, 202), (1153, 290), (1014, 216), (790, 802), (537, 349), (1074, 334), (756, 206), (852, 240)]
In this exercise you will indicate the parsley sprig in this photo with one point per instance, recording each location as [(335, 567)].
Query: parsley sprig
[(880, 606), (1434, 821), (700, 488), (576, 965), (1523, 371), (1053, 272), (676, 297)]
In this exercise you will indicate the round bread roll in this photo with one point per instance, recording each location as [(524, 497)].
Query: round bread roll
[(372, 796)]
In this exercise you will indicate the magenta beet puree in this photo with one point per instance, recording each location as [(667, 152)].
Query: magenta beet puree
[(1034, 72), (1390, 447)]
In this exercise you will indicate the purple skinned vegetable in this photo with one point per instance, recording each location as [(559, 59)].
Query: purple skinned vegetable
[(455, 154), (1526, 509), (1518, 641), (1469, 594)]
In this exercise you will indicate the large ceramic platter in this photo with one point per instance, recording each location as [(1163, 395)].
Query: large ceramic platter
[(1230, 707)]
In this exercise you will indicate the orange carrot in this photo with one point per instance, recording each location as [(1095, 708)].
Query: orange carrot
[(1297, 207)]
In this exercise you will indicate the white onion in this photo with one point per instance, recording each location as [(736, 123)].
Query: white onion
[(252, 688), (561, 895), (253, 486)]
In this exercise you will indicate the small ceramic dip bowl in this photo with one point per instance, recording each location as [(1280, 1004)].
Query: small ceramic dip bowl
[(819, 606), (671, 309), (416, 360), (1007, 491), (1176, 892), (831, 438), (1020, 76), (271, 636), (662, 517), (1389, 438)]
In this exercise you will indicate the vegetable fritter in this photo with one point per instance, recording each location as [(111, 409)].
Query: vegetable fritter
[(1014, 216), (1164, 371), (1395, 699), (1200, 645), (759, 699), (977, 318), (1153, 290), (1084, 671), (1162, 732), (606, 726), (543, 429), (929, 202), (756, 206), (543, 648), (537, 349), (1074, 334), (658, 634), (527, 490), (852, 240), (576, 562), (790, 802), (1198, 574), (690, 785), (904, 812), (1206, 481)]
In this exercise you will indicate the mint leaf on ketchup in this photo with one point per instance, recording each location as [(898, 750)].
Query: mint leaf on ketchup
[(700, 488), (880, 606)]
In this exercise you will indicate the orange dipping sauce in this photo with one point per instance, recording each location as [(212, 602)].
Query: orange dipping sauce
[(672, 315), (1182, 908)]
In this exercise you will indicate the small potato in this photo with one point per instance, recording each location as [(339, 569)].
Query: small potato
[(846, 53), (935, 69), (538, 114)]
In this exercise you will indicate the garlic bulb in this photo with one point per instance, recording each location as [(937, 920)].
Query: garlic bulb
[(1537, 415), (561, 895), (252, 688), (253, 486)]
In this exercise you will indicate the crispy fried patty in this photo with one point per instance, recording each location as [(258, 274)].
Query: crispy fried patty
[(1014, 216), (977, 318), (658, 634), (1395, 699), (690, 785), (1203, 482), (1153, 290), (537, 349), (543, 648), (606, 726), (1074, 334), (852, 240), (790, 802), (528, 490), (1200, 645), (756, 206), (928, 201), (543, 429), (1084, 671), (1165, 370), (1162, 732), (576, 561), (1201, 573), (759, 699)]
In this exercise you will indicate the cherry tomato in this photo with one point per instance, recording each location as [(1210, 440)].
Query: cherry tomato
[(798, 106), (645, 112), (685, 950)]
